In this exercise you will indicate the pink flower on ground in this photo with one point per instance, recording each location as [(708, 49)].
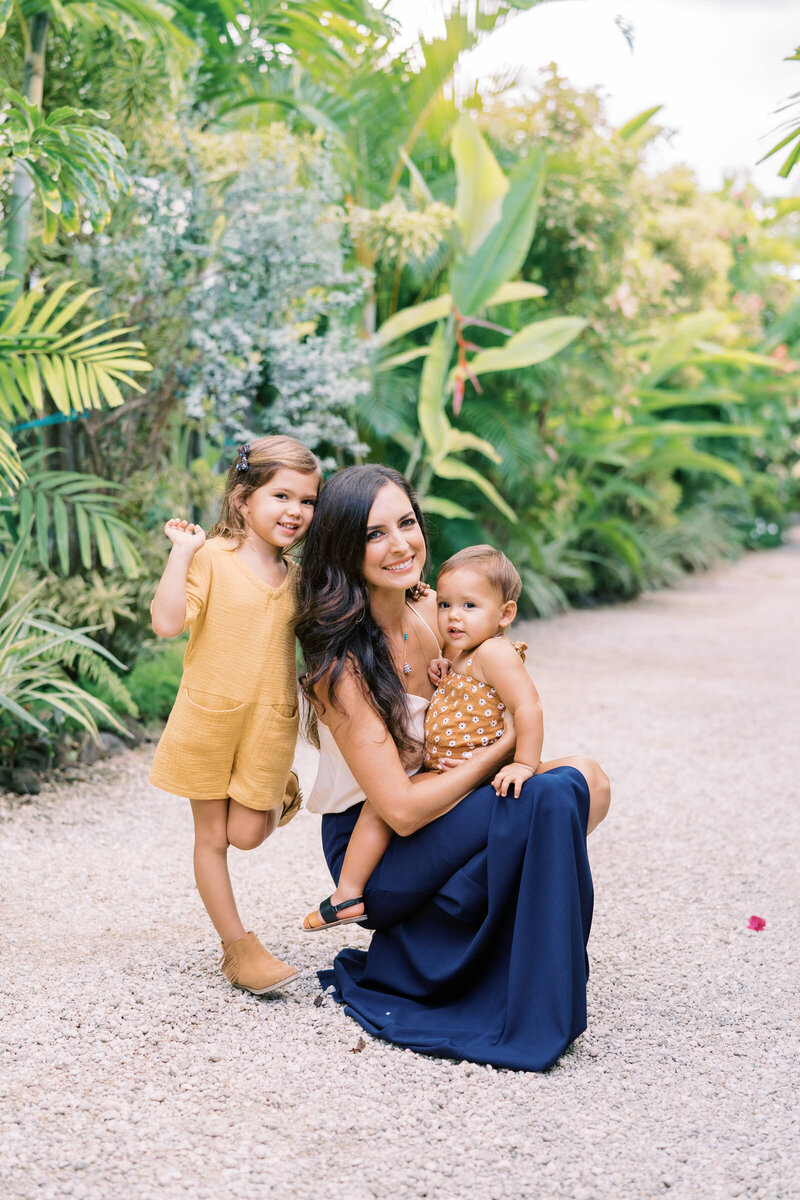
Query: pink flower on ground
[(756, 923)]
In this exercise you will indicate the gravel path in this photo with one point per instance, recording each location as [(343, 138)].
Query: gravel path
[(130, 1068)]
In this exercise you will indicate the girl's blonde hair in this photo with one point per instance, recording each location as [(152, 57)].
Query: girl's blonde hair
[(256, 463)]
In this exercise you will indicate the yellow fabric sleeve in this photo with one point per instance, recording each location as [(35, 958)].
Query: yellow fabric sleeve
[(197, 584)]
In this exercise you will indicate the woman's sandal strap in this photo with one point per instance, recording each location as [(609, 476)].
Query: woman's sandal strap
[(328, 911)]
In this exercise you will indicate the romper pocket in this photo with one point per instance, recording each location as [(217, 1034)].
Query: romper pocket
[(197, 749), (208, 703)]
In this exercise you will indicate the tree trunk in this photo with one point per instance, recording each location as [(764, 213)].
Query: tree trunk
[(22, 188)]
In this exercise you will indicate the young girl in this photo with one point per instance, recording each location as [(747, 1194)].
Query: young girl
[(230, 738), (481, 676)]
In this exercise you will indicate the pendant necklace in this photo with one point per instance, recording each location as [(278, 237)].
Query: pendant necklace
[(406, 664)]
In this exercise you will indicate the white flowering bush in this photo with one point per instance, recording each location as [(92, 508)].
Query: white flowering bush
[(233, 262), (276, 315)]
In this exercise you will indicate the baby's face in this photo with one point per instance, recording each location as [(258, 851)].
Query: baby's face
[(470, 610)]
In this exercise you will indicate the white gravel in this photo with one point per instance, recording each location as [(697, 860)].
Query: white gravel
[(130, 1068)]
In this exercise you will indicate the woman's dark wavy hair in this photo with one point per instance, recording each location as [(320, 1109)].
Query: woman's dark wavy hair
[(334, 625)]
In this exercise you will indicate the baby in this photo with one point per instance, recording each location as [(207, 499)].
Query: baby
[(482, 673), (480, 678)]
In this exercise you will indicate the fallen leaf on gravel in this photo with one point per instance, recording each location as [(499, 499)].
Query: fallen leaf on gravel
[(359, 1046), (756, 923)]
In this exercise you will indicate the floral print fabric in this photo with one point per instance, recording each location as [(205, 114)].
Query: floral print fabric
[(464, 714)]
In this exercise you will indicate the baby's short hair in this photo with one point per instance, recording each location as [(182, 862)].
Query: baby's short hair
[(492, 564)]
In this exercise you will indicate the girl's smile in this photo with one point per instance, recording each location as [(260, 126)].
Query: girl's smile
[(279, 513)]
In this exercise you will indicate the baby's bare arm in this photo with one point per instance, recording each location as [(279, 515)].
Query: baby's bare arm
[(503, 669)]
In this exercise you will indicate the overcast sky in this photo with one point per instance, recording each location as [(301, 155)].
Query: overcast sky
[(716, 66)]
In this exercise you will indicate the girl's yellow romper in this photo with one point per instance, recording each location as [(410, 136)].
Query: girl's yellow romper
[(464, 714), (233, 728)]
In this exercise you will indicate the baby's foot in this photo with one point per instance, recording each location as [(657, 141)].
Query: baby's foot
[(338, 909)]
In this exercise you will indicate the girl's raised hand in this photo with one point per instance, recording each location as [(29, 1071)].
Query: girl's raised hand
[(181, 533)]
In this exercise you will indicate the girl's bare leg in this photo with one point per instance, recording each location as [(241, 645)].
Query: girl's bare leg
[(367, 846), (249, 827), (217, 825), (211, 867), (596, 778)]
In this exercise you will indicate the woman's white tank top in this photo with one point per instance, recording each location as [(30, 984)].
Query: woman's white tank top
[(335, 788)]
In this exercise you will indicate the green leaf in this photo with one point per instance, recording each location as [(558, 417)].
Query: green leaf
[(480, 184), (671, 429), (71, 381), (682, 333), (26, 507), (400, 360), (626, 131), (6, 8), (12, 564), (449, 468), (61, 522), (113, 395), (65, 314), (126, 556), (49, 307), (737, 358), (462, 439), (687, 459), (516, 289), (532, 344), (654, 399), (414, 317), (84, 537), (35, 385), (417, 315), (42, 527), (614, 535), (500, 256), (430, 409), (444, 508), (12, 397), (420, 191), (105, 550), (21, 714)]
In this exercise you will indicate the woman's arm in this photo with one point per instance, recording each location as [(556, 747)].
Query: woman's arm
[(405, 804)]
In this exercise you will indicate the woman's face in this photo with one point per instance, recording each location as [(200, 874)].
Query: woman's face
[(395, 551)]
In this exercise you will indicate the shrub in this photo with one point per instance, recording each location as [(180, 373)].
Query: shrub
[(153, 683)]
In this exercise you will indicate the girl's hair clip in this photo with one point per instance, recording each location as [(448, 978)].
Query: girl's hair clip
[(241, 457)]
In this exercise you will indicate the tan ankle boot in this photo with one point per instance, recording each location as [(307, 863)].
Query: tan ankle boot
[(248, 965), (292, 800)]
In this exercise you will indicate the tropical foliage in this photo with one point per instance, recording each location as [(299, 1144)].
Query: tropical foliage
[(792, 124), (321, 232)]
